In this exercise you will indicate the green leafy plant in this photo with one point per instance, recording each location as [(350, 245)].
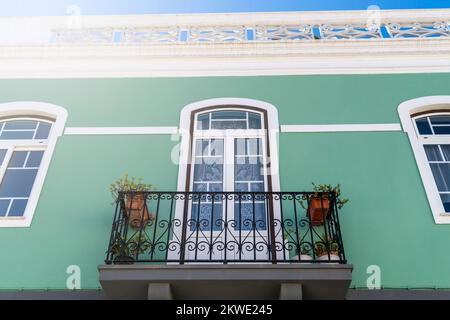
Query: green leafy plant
[(126, 184), (305, 249), (120, 248), (319, 189), (325, 245)]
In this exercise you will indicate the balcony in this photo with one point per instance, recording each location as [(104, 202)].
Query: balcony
[(271, 244)]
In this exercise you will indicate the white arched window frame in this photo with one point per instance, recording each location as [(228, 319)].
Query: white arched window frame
[(37, 111), (409, 111), (186, 117)]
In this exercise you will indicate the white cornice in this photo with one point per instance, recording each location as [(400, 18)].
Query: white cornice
[(236, 59)]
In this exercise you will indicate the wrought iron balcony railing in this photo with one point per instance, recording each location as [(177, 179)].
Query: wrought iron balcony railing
[(226, 227)]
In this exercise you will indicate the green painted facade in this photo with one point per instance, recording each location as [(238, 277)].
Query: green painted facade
[(387, 223)]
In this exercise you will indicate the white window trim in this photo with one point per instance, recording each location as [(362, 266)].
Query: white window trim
[(405, 111), (38, 109)]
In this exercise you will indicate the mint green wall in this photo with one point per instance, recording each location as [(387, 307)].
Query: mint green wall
[(388, 221)]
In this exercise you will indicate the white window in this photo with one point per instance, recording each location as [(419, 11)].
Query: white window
[(433, 132), (28, 133), (427, 122)]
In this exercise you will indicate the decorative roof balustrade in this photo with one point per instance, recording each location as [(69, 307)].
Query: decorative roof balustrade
[(228, 27), (265, 33)]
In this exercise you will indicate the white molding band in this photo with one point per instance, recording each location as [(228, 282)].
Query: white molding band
[(405, 111), (342, 127), (283, 129), (119, 130)]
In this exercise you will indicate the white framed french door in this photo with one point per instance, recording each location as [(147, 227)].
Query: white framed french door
[(236, 227), (228, 146)]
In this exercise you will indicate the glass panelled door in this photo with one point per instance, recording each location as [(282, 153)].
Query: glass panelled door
[(228, 220)]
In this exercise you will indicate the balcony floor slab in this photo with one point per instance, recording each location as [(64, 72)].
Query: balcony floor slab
[(226, 281)]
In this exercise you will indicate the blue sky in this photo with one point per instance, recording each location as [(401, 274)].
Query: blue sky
[(90, 7)]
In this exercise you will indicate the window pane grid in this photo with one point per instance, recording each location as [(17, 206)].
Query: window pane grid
[(228, 119), (439, 160), (24, 129), (433, 125)]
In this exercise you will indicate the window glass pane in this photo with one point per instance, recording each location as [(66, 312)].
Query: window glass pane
[(200, 187), (233, 115), (441, 130), (440, 120), (208, 169), (446, 201), (20, 125), (254, 121), (10, 135), (34, 159), (240, 147), (254, 146), (446, 151), (423, 126), (257, 186), (248, 172), (441, 173), (43, 131), (433, 153), (2, 155), (241, 187), (201, 147), (4, 204), (17, 208), (18, 159), (17, 183), (203, 121), (203, 214), (229, 124), (249, 214), (216, 147)]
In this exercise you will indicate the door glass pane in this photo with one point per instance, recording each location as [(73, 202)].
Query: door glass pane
[(249, 210), (206, 210)]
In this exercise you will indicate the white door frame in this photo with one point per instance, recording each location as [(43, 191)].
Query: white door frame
[(188, 114)]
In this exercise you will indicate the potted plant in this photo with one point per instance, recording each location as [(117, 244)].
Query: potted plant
[(319, 202), (135, 197), (305, 253), (327, 249), (124, 252)]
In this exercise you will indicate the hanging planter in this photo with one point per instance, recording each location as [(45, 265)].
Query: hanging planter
[(137, 211), (319, 205), (135, 200), (319, 209)]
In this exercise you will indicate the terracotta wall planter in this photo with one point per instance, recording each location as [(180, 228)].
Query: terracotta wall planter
[(319, 209), (136, 210)]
